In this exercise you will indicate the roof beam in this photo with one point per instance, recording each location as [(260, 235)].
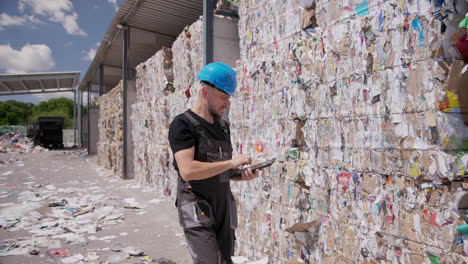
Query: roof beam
[(24, 85), (45, 76), (5, 86), (112, 70), (42, 85), (130, 13), (154, 32), (40, 82), (35, 92), (123, 22)]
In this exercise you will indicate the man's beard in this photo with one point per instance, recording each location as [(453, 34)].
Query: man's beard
[(213, 113)]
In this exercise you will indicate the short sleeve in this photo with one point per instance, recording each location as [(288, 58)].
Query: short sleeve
[(180, 135)]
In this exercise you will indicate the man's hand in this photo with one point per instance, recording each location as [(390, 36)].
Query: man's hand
[(248, 174), (240, 160)]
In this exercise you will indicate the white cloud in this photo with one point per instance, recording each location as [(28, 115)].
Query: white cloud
[(114, 4), (31, 58), (60, 11), (7, 20), (89, 54)]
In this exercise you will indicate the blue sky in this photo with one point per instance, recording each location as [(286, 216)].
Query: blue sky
[(51, 36)]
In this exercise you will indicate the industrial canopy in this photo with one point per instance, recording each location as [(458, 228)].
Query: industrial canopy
[(152, 24), (30, 83)]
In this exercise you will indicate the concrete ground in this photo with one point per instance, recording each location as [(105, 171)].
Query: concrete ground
[(30, 182)]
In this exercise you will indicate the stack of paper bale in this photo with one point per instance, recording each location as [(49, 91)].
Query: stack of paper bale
[(154, 84), (360, 103), (165, 84), (188, 60), (110, 124)]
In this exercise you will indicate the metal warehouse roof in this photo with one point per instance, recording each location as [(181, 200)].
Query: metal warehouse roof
[(11, 84), (153, 24)]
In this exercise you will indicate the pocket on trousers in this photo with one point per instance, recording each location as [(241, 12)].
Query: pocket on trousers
[(195, 214), (233, 212)]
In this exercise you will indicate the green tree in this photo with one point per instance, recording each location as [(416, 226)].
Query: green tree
[(15, 113), (54, 107), (18, 113), (53, 104)]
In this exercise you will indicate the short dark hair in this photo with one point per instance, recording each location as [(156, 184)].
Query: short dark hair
[(212, 86)]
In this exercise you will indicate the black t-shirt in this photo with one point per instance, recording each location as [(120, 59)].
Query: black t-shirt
[(182, 134)]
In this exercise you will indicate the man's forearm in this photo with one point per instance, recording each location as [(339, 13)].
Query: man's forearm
[(197, 170)]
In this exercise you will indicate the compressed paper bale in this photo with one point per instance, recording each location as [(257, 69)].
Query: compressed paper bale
[(151, 119), (352, 72), (162, 82), (110, 125), (368, 92)]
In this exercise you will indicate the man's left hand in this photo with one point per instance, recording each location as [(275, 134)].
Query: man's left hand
[(248, 174)]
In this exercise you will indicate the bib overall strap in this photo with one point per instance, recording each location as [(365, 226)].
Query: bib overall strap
[(192, 119)]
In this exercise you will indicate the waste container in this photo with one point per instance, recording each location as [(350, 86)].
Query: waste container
[(48, 132)]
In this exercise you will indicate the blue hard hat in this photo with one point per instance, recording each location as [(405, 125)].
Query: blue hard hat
[(221, 75)]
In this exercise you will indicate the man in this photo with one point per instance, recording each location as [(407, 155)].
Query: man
[(200, 141)]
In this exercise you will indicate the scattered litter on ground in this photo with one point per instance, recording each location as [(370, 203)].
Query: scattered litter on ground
[(106, 238), (58, 253), (156, 201), (20, 130), (244, 260), (133, 251), (162, 261), (117, 257), (53, 214), (92, 256), (239, 259), (33, 251), (130, 203), (73, 259), (16, 141), (82, 152), (62, 217), (117, 248)]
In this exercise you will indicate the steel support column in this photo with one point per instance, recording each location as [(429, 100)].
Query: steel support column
[(101, 78), (208, 7), (81, 118), (74, 117), (89, 116), (79, 96), (126, 44)]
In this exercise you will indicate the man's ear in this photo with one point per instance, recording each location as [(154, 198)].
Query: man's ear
[(204, 91)]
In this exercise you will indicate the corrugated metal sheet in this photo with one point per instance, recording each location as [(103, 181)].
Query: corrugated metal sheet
[(153, 24), (38, 82)]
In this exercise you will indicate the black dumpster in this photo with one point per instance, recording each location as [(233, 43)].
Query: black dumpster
[(48, 132)]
